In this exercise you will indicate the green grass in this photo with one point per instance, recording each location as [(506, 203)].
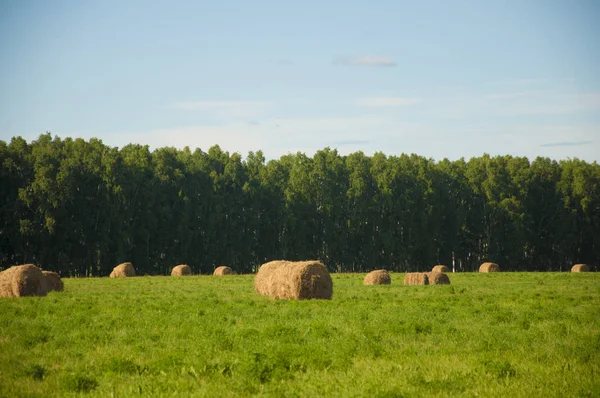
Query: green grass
[(487, 335)]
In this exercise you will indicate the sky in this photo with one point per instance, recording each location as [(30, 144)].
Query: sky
[(442, 79)]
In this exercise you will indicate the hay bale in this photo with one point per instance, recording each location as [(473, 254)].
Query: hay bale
[(580, 268), (378, 277), (263, 283), (294, 280), (22, 280), (53, 282), (123, 270), (223, 270), (489, 267), (181, 270), (416, 278), (438, 278), (440, 268)]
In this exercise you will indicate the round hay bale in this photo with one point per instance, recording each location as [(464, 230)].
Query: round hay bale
[(489, 267), (438, 278), (416, 278), (181, 270), (294, 280), (53, 282), (223, 270), (22, 280), (440, 268), (378, 277), (123, 270), (580, 268)]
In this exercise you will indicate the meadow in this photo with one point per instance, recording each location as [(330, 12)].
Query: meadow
[(488, 335)]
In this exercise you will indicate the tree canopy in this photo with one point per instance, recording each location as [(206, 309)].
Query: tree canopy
[(81, 207)]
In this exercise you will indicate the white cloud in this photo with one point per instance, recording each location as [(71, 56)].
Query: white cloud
[(387, 101), (274, 136), (279, 136), (364, 60), (483, 122), (233, 138)]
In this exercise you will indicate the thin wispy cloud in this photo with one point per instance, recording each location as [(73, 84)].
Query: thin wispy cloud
[(225, 109), (521, 82), (364, 60), (274, 136), (317, 127), (387, 101), (553, 104), (517, 94), (282, 61), (510, 104), (367, 133), (351, 142), (566, 143), (207, 105)]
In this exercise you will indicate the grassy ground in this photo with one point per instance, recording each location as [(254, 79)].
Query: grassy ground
[(503, 335)]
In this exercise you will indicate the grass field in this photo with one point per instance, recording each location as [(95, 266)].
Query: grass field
[(487, 335)]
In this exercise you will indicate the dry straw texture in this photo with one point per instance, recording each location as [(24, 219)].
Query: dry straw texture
[(489, 267), (123, 270), (440, 268), (438, 278), (53, 282), (416, 278), (223, 270), (378, 277), (22, 280), (294, 280), (181, 270), (580, 268)]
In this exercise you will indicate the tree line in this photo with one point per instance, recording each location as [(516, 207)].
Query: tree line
[(81, 207)]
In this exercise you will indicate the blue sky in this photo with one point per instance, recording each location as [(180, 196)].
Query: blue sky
[(437, 78)]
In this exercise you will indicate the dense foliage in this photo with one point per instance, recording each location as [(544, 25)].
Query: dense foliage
[(81, 207)]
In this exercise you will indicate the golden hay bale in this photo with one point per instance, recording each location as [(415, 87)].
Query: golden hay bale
[(378, 277), (438, 278), (22, 280), (53, 282), (223, 270), (181, 270), (489, 267), (294, 280), (123, 270), (416, 278), (262, 281), (580, 268), (440, 268)]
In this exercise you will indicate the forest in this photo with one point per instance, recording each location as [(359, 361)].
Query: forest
[(80, 207)]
